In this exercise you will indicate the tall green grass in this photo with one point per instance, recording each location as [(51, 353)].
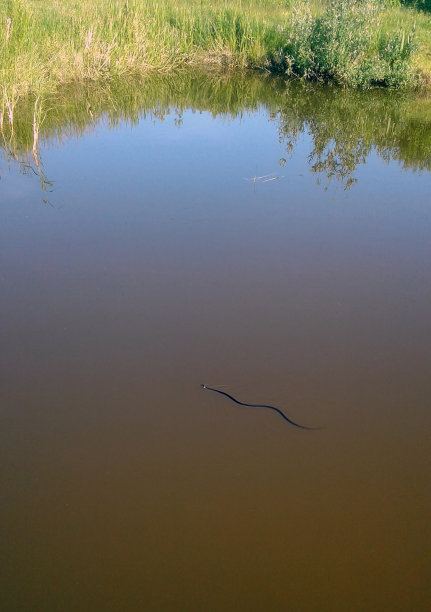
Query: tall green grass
[(46, 45)]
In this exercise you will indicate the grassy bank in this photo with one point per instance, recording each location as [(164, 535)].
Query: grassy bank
[(45, 45)]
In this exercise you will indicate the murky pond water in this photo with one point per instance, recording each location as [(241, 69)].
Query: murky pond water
[(271, 241)]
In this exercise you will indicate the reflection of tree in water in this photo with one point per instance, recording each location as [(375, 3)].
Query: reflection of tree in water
[(344, 125)]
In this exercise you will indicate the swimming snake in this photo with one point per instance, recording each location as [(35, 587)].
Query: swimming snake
[(259, 406)]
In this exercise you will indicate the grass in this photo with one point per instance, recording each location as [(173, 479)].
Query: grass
[(418, 21), (47, 45)]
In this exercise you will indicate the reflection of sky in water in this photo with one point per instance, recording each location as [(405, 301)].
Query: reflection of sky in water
[(199, 172)]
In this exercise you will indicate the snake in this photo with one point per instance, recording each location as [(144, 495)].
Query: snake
[(259, 406)]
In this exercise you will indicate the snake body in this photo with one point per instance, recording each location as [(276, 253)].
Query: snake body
[(259, 406)]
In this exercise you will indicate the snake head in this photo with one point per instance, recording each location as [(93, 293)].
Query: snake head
[(203, 386)]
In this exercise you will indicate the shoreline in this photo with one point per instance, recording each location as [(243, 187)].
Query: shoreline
[(359, 44)]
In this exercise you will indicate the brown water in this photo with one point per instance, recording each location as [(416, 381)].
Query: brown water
[(158, 267)]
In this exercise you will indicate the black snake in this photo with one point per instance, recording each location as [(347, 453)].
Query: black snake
[(259, 406)]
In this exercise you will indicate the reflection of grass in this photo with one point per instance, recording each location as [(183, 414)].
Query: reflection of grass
[(345, 125), (46, 44)]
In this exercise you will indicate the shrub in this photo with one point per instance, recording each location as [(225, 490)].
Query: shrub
[(346, 44)]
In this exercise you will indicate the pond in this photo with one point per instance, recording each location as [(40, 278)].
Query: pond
[(265, 238)]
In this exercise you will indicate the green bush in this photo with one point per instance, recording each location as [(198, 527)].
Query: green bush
[(347, 45)]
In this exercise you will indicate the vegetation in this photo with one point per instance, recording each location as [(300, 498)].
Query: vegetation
[(46, 46), (346, 44)]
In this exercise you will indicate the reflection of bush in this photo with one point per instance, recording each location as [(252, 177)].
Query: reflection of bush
[(344, 125)]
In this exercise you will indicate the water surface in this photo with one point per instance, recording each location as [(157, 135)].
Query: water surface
[(143, 252)]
